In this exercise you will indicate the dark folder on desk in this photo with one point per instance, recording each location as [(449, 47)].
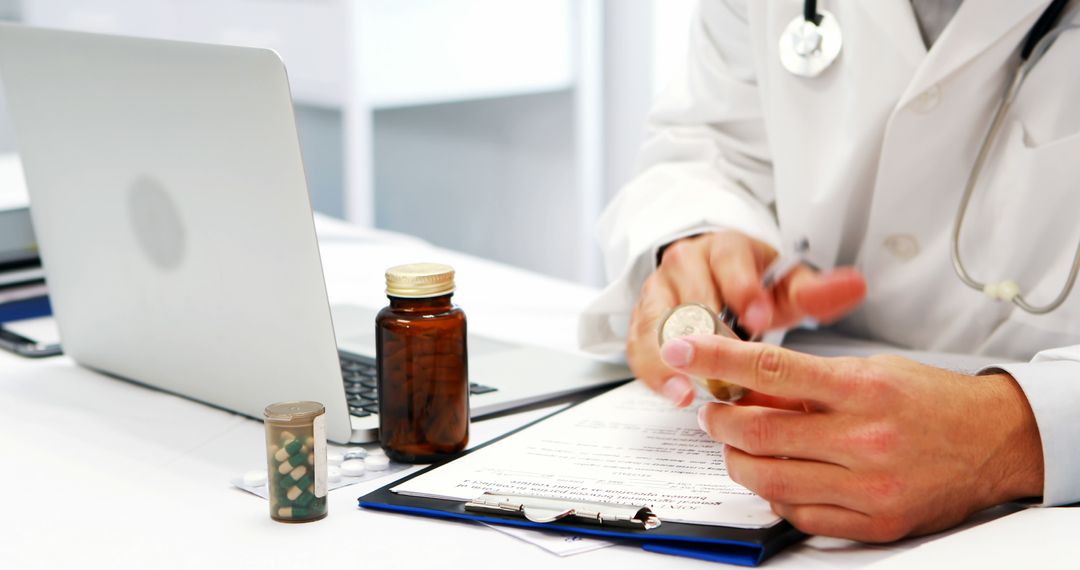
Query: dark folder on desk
[(742, 546)]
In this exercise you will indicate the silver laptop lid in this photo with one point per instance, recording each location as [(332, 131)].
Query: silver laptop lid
[(172, 212)]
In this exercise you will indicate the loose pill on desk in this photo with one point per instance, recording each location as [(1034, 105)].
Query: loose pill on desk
[(377, 462), (334, 458), (333, 474), (255, 478), (353, 468), (355, 453)]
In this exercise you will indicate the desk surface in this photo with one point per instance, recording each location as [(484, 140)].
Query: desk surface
[(100, 472)]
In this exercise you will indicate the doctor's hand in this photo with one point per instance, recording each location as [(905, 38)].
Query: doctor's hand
[(889, 447), (725, 268)]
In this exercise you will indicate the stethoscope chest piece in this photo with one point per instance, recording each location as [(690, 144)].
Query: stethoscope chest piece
[(806, 48)]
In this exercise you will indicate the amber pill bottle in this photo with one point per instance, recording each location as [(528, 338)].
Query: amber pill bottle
[(422, 366)]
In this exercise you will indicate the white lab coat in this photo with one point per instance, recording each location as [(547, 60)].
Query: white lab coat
[(868, 162)]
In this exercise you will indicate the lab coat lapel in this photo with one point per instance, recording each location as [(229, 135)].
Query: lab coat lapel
[(974, 28), (895, 22)]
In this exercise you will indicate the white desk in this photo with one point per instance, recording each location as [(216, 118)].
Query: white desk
[(98, 472)]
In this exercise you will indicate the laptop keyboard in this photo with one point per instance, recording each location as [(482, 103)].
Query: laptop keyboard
[(361, 388)]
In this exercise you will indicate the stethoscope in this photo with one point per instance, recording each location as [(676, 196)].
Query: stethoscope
[(812, 41)]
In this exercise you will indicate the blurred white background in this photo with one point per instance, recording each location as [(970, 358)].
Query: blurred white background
[(494, 127)]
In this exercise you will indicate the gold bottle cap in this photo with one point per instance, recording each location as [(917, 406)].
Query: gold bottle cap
[(417, 280)]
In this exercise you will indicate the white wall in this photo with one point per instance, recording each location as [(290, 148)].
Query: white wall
[(506, 154), (510, 169), (9, 11), (492, 177)]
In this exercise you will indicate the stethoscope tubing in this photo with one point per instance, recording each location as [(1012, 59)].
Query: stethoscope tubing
[(1038, 34)]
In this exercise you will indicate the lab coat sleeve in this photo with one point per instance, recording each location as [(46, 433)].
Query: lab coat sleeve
[(704, 166), (1051, 383)]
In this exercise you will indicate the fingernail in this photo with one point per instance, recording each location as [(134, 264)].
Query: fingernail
[(676, 388), (758, 316), (677, 352), (701, 421)]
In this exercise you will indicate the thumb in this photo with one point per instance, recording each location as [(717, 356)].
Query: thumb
[(824, 296)]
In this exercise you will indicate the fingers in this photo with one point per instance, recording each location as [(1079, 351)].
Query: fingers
[(832, 520), (685, 269), (643, 348), (772, 432), (823, 296), (764, 368), (725, 268), (789, 481), (818, 498), (736, 262), (814, 497), (684, 276), (767, 401)]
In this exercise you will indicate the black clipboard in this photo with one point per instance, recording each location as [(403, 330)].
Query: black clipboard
[(744, 547)]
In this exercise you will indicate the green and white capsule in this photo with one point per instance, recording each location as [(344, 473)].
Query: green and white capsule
[(304, 499), (284, 468), (294, 512), (294, 476)]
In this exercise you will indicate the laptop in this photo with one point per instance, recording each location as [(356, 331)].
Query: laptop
[(174, 222)]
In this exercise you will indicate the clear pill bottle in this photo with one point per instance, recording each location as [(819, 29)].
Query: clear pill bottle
[(296, 460), (422, 366)]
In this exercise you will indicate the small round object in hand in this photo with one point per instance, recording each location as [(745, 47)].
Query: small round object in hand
[(691, 319)]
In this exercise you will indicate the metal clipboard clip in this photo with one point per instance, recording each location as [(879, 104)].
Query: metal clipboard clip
[(547, 509)]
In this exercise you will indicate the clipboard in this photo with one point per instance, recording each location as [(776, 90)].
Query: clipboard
[(740, 546)]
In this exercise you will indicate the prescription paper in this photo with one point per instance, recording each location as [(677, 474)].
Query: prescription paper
[(627, 446)]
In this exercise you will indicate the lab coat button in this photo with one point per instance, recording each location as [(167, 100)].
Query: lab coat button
[(903, 246), (927, 100)]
